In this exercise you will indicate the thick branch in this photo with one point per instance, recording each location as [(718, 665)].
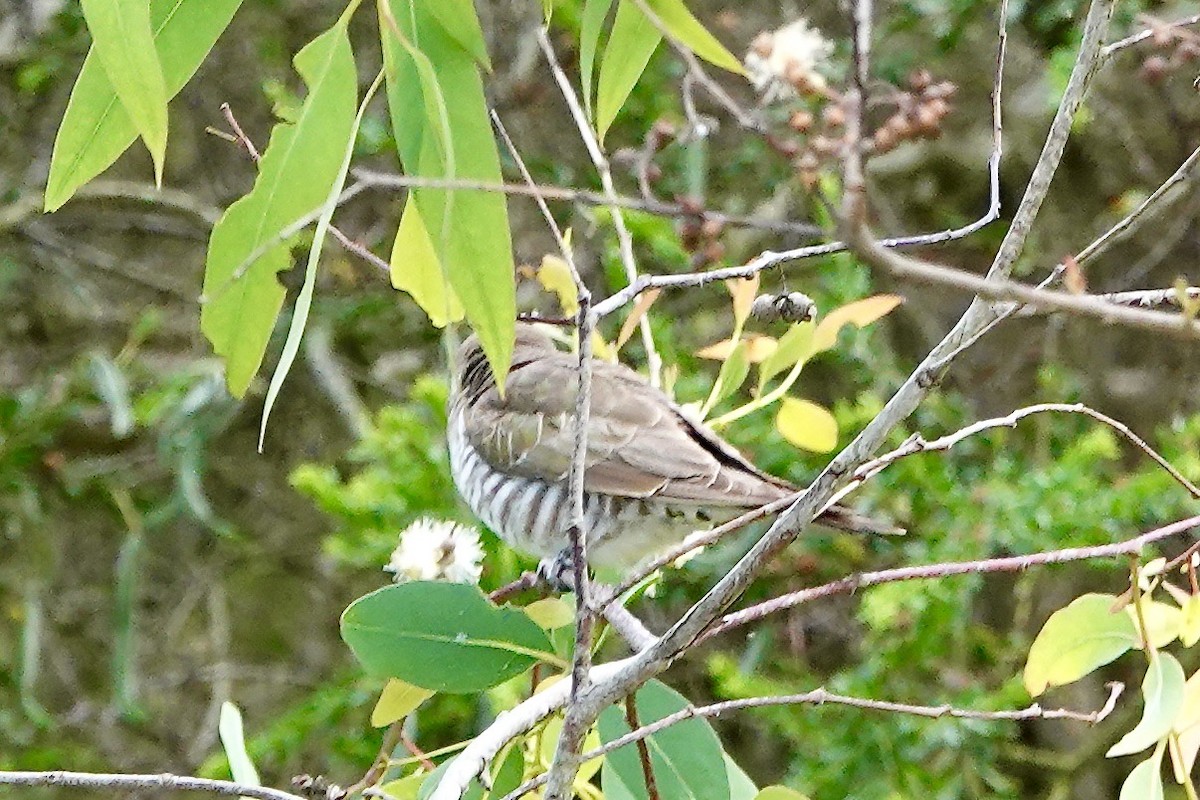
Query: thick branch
[(134, 783)]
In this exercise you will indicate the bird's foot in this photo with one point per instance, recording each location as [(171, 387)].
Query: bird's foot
[(558, 572)]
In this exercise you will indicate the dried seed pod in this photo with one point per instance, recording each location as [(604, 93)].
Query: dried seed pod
[(789, 307), (919, 79), (884, 139), (711, 228), (1155, 69)]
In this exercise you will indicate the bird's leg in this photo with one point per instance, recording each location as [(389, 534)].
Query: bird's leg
[(558, 572)]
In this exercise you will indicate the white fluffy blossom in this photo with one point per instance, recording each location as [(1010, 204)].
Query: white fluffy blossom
[(793, 54), (435, 549)]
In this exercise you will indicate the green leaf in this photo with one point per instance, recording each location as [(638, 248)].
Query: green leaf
[(113, 388), (807, 425), (416, 269), (233, 740), (861, 313), (1145, 781), (688, 31), (793, 348), (291, 345), (1162, 695), (406, 788), (95, 128), (124, 43), (468, 228), (732, 375), (474, 789), (1077, 639), (1187, 726), (301, 163), (551, 612), (687, 758), (458, 18), (591, 25), (740, 785), (397, 700), (779, 793), (1189, 623), (1163, 622), (442, 636), (630, 44)]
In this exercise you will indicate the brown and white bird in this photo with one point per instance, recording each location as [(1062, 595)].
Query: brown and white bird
[(653, 474)]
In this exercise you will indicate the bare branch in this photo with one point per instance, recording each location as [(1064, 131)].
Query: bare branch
[(134, 783), (852, 583), (600, 161), (1154, 26), (820, 697)]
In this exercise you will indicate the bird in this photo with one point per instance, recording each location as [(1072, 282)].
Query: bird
[(653, 472)]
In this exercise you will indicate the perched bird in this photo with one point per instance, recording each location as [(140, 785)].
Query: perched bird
[(653, 474)]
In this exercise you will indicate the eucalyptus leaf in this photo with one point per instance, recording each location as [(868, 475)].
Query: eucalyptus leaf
[(1162, 696), (1076, 640), (631, 42)]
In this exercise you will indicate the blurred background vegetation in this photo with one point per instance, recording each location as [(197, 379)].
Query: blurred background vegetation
[(153, 565)]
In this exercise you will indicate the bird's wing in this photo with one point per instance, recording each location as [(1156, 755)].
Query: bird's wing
[(639, 443)]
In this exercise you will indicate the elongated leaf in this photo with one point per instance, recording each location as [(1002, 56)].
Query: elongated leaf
[(1162, 695), (441, 636), (794, 347), (640, 307), (398, 700), (688, 31), (741, 787), (555, 276), (95, 128), (687, 758), (630, 44), (113, 388), (758, 348), (779, 793), (591, 25), (1145, 781), (861, 313), (807, 425), (743, 291), (1187, 725), (459, 20), (234, 741), (1076, 640), (732, 375), (301, 163), (468, 228), (416, 269), (124, 43), (406, 788), (291, 345)]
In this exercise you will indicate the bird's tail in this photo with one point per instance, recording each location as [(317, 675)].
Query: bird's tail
[(845, 519)]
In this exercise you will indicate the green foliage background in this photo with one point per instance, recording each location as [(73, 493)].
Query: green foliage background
[(152, 565)]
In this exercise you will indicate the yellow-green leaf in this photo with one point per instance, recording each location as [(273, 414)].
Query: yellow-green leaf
[(630, 44), (233, 741), (551, 612), (1187, 726), (459, 19), (468, 228), (1076, 640), (1162, 695), (555, 276), (688, 31), (1145, 781), (1163, 622), (405, 788), (861, 313), (743, 291), (591, 24), (397, 700), (640, 307), (123, 39), (95, 128), (300, 164), (1189, 623), (732, 375), (549, 741), (415, 269), (779, 793), (794, 348), (807, 425), (757, 348)]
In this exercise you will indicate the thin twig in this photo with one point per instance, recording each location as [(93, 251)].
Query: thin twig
[(852, 583), (135, 783), (1129, 41), (631, 717), (820, 697), (600, 161)]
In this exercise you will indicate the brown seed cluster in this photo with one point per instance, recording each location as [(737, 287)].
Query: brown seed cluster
[(920, 109), (701, 236)]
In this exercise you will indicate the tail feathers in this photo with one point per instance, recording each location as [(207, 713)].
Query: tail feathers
[(845, 519)]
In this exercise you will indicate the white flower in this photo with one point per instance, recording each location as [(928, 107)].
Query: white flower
[(792, 55), (433, 549)]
